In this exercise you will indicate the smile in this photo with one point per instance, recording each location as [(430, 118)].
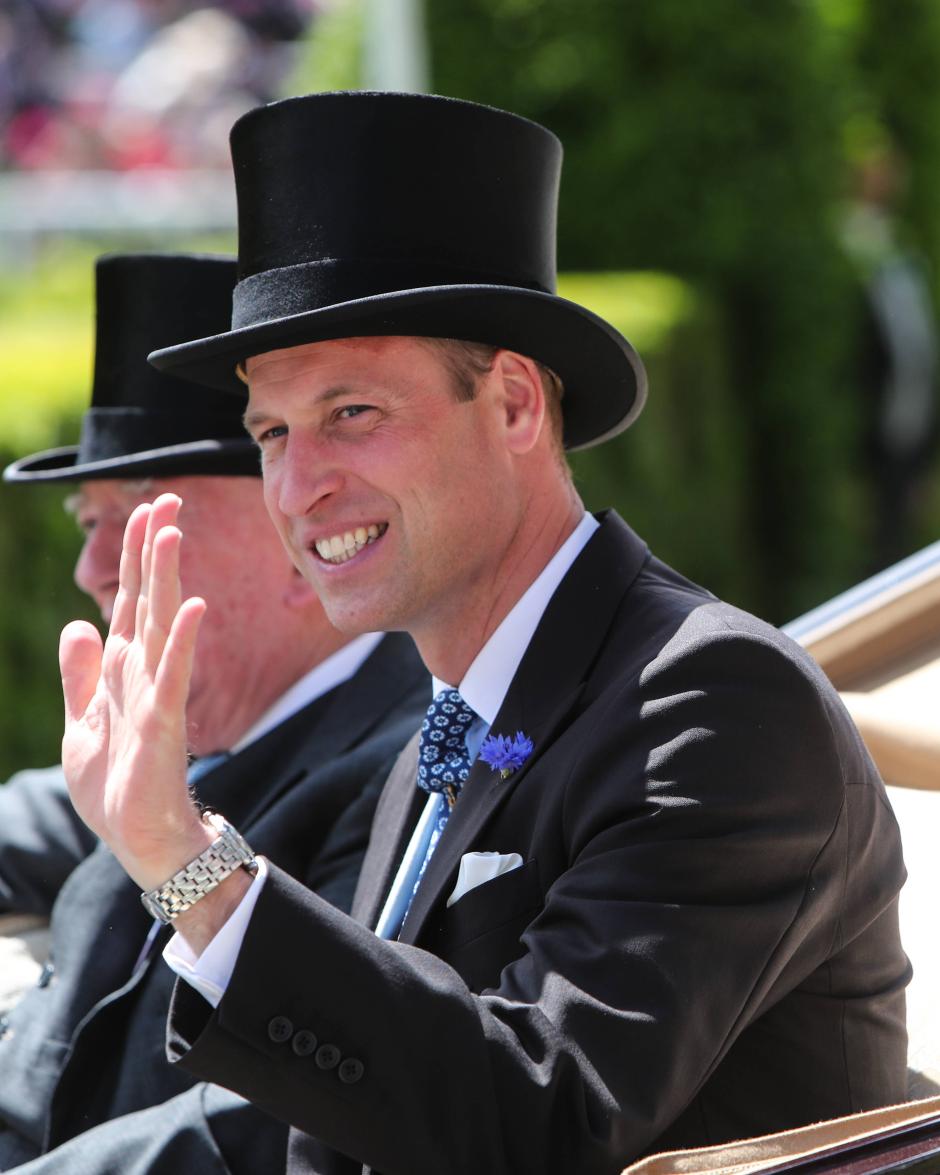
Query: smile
[(341, 547)]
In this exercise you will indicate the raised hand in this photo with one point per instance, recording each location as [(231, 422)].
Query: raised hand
[(124, 748)]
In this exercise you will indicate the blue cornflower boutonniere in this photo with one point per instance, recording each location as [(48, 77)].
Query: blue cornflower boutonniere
[(505, 754)]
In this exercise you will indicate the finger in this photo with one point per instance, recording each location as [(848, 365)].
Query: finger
[(163, 512), (124, 614), (80, 665), (176, 666), (163, 601)]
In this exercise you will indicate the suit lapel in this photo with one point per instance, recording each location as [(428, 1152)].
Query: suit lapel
[(545, 691), (360, 704), (395, 818), (243, 787)]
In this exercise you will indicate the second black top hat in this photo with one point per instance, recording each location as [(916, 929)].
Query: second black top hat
[(142, 422)]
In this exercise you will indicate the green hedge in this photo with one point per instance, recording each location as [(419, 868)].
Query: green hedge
[(690, 423), (46, 339), (38, 547)]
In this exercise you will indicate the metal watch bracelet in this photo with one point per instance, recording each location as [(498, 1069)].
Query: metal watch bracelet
[(228, 852)]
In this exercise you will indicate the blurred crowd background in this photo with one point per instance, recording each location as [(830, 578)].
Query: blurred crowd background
[(123, 84), (751, 193)]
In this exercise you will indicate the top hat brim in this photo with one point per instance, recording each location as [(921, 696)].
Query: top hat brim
[(205, 458), (603, 377)]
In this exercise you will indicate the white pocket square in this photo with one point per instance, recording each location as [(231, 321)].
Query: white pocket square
[(475, 868)]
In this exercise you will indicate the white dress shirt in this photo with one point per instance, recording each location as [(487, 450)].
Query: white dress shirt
[(483, 688)]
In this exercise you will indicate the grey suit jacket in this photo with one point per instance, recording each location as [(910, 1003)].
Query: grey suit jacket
[(84, 1082), (42, 839), (702, 941)]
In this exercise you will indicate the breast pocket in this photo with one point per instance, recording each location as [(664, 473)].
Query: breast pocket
[(479, 934)]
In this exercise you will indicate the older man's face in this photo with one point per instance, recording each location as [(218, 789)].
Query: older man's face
[(395, 500), (230, 555)]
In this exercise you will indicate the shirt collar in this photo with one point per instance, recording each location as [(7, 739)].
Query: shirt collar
[(331, 672), (487, 681)]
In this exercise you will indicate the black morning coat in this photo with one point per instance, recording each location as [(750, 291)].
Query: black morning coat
[(83, 1069), (702, 942)]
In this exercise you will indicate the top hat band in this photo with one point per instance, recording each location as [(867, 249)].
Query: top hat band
[(312, 285), (116, 432)]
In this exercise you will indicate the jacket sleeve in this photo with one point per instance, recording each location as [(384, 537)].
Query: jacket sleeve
[(701, 814), (206, 1130), (42, 839)]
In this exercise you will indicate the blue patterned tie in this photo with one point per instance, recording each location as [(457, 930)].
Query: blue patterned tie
[(443, 758), (443, 762)]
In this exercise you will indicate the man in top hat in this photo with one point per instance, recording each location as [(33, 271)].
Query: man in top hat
[(634, 885), (308, 718)]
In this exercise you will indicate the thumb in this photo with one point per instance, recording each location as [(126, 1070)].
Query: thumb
[(80, 665)]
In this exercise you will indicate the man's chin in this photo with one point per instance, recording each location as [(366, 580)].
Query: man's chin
[(354, 618)]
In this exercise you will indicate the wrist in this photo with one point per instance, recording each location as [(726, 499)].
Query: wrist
[(200, 924), (219, 853), (174, 852)]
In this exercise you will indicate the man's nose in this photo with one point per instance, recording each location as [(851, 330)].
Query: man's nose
[(306, 475), (99, 560)]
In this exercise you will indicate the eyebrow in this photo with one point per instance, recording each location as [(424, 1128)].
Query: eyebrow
[(73, 503), (259, 416), (78, 500)]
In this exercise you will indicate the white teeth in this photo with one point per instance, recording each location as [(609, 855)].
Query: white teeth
[(341, 548)]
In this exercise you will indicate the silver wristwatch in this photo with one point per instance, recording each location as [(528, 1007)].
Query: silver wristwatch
[(228, 852)]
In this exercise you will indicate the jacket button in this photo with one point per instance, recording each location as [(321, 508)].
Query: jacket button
[(328, 1056), (351, 1070), (304, 1042), (280, 1029)]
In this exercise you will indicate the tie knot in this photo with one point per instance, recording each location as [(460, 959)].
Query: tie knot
[(443, 759)]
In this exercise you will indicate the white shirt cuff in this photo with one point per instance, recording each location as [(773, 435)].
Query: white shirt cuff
[(210, 972)]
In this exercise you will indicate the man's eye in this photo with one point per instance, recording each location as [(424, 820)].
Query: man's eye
[(351, 410), (270, 434)]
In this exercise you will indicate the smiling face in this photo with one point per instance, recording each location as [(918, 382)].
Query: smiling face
[(405, 508), (263, 627)]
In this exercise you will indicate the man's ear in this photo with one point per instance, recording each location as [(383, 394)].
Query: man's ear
[(298, 593), (522, 400)]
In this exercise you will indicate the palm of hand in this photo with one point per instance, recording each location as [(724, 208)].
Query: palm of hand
[(124, 750)]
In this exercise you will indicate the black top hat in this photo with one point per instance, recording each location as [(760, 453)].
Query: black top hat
[(141, 422), (403, 214)]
